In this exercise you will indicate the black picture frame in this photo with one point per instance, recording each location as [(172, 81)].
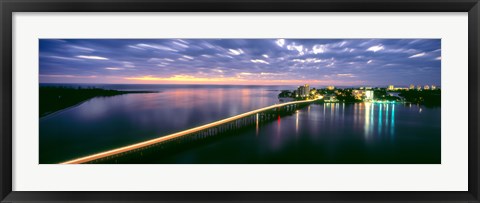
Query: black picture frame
[(8, 7)]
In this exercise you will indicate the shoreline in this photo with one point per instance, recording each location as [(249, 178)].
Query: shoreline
[(54, 99)]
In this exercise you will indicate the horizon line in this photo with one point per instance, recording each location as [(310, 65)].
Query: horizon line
[(230, 84)]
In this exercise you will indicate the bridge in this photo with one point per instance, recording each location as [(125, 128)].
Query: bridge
[(210, 129)]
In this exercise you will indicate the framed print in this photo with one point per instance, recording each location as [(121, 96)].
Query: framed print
[(239, 101)]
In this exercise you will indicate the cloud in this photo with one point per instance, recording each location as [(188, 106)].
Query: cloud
[(155, 46), (259, 61), (294, 46), (264, 73), (319, 48), (92, 57), (235, 51), (135, 47), (188, 57), (280, 42), (180, 44), (417, 55), (160, 59), (438, 58), (346, 75), (64, 58), (309, 60), (300, 59), (330, 64), (67, 76), (113, 68), (376, 48), (80, 48)]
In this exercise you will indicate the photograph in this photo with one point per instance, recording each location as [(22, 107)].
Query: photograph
[(239, 101)]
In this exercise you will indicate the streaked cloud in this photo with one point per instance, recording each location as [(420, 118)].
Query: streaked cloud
[(417, 55), (80, 48), (346, 75), (235, 52), (376, 48), (92, 57), (114, 68), (258, 61)]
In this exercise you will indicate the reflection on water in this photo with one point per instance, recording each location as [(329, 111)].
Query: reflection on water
[(318, 133), (332, 133)]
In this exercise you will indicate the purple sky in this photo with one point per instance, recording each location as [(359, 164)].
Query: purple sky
[(340, 62)]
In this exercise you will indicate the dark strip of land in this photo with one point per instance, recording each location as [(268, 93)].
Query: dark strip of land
[(56, 98)]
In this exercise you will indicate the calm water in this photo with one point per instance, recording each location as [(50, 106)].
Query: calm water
[(318, 133)]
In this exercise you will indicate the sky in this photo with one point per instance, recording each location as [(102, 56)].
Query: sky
[(339, 62)]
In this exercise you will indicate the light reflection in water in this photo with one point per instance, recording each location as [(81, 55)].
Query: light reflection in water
[(278, 126), (387, 123), (324, 109), (380, 119), (367, 120), (256, 128), (296, 122), (392, 123), (332, 109), (386, 116), (355, 114)]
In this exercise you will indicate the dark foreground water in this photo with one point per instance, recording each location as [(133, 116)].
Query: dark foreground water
[(318, 133)]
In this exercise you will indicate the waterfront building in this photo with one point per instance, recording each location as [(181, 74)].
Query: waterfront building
[(358, 94), (330, 98), (426, 87), (434, 87), (304, 90), (419, 87), (412, 86), (369, 95)]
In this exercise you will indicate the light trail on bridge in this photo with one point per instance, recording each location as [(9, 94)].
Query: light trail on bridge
[(176, 135)]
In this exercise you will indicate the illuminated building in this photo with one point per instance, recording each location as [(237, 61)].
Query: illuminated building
[(304, 90), (358, 94), (419, 87), (434, 87), (330, 87), (426, 87), (330, 98), (412, 86), (369, 95), (390, 87)]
